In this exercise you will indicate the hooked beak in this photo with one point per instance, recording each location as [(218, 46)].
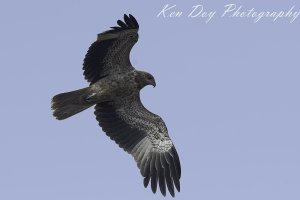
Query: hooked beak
[(153, 83)]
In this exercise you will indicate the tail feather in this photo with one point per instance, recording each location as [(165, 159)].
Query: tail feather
[(70, 103)]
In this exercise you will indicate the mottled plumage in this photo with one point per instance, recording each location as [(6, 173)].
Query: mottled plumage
[(115, 90)]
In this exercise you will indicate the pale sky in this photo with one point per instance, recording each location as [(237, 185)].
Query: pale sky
[(228, 91)]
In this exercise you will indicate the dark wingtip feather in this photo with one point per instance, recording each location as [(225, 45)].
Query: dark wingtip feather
[(163, 170), (177, 162), (134, 20), (153, 173), (169, 181), (161, 174), (127, 20), (146, 181), (121, 24), (177, 184), (129, 23)]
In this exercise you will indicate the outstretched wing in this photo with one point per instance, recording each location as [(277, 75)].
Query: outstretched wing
[(145, 136), (109, 54)]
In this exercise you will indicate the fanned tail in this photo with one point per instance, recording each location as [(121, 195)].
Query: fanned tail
[(67, 104)]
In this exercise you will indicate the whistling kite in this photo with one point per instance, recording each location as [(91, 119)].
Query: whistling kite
[(115, 90)]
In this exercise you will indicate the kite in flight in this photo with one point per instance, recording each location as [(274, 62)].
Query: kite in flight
[(115, 91)]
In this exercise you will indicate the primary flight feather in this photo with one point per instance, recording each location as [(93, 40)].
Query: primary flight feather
[(115, 91)]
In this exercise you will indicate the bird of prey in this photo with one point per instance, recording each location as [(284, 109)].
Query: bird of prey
[(115, 91)]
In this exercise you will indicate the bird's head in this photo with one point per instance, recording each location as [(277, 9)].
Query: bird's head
[(143, 79)]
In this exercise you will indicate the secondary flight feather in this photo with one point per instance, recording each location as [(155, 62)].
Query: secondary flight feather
[(114, 90)]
